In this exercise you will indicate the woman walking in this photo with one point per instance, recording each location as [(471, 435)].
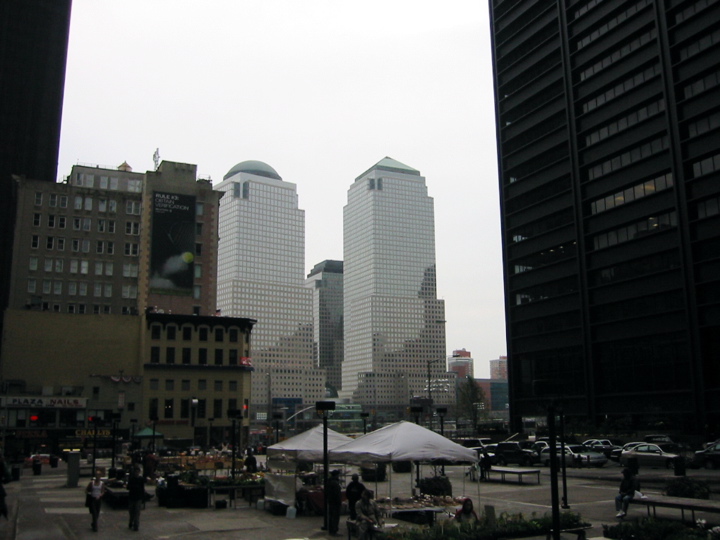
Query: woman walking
[(95, 491)]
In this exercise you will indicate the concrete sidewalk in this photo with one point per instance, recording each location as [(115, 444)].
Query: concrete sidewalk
[(41, 507)]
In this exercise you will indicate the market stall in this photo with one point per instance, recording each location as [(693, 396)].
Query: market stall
[(403, 441), (284, 459)]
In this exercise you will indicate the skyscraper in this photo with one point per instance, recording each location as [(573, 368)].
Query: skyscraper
[(607, 128), (326, 283), (33, 55), (260, 272), (394, 323)]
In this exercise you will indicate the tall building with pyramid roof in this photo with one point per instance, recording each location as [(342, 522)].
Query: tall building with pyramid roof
[(394, 322)]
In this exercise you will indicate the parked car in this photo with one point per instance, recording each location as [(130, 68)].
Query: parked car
[(651, 455), (481, 449), (708, 457), (470, 442), (576, 455), (604, 446), (615, 454), (515, 452), (658, 439)]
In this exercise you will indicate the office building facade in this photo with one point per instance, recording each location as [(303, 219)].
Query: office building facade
[(261, 276), (112, 310), (394, 322), (33, 55), (325, 281), (607, 126)]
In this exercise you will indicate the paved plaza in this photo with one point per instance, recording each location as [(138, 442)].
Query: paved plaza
[(41, 507)]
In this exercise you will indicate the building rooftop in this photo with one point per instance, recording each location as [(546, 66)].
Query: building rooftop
[(253, 167)]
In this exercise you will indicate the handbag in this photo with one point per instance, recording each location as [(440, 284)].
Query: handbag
[(88, 500)]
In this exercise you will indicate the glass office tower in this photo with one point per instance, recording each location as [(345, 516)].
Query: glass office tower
[(325, 281), (394, 323), (261, 255), (607, 127)]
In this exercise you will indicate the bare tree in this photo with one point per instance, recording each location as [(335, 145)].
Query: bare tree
[(470, 401)]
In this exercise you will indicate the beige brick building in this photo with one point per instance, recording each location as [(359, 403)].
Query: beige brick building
[(112, 311)]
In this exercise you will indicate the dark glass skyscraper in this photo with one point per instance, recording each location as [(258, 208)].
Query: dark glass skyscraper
[(33, 54), (607, 126)]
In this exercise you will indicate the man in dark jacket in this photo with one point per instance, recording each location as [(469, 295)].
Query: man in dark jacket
[(136, 497), (334, 502), (353, 492)]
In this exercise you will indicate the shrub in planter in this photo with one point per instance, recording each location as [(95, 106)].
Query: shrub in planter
[(436, 485), (687, 487), (652, 529)]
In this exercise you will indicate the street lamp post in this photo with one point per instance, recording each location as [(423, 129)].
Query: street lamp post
[(154, 419), (364, 416), (193, 412), (417, 410), (209, 432), (429, 382), (233, 414), (322, 408), (277, 417), (133, 424), (442, 411)]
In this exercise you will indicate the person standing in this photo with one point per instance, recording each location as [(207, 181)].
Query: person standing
[(136, 497), (250, 462), (368, 515), (353, 492), (95, 489), (334, 502), (466, 513), (628, 486)]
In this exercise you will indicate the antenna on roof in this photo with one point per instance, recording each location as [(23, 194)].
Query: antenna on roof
[(156, 158)]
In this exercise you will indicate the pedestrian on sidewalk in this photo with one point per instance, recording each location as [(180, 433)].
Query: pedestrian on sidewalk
[(95, 491), (136, 497), (628, 486), (334, 502), (353, 492)]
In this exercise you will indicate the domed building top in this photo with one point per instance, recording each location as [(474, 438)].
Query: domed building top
[(253, 167)]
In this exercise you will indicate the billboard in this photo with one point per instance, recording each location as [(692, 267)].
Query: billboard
[(172, 246)]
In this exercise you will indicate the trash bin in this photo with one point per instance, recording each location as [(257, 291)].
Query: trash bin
[(54, 462), (679, 466), (633, 465), (36, 467)]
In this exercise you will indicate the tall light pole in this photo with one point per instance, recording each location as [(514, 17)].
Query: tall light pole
[(193, 412), (442, 411), (233, 414), (209, 432), (364, 416), (429, 381), (322, 408)]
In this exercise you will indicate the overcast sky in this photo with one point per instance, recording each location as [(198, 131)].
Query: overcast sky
[(319, 90)]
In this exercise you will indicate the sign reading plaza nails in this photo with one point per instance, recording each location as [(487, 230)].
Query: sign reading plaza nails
[(44, 402)]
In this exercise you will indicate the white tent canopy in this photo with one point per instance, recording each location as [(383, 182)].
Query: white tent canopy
[(403, 441), (306, 446)]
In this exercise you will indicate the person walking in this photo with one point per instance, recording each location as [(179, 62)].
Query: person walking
[(334, 502), (136, 497), (353, 492), (628, 486), (95, 491), (368, 515)]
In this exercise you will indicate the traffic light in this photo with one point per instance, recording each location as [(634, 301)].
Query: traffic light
[(34, 418), (246, 408)]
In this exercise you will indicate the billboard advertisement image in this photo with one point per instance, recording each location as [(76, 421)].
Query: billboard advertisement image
[(172, 249)]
